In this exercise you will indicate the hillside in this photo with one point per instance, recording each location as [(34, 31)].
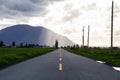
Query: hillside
[(33, 35)]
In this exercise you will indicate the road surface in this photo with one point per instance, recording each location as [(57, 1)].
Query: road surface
[(59, 65)]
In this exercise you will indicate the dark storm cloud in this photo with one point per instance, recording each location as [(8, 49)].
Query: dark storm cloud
[(19, 8)]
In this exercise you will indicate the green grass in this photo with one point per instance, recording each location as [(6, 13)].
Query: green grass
[(112, 58), (10, 56)]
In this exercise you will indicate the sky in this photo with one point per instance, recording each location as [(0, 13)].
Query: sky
[(66, 17)]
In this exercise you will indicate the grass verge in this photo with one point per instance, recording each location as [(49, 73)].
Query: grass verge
[(9, 56), (112, 58)]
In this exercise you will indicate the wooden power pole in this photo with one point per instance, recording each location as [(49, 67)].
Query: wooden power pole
[(88, 35), (112, 13), (83, 37)]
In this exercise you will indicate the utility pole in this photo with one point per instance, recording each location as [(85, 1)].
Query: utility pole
[(112, 13), (88, 35), (83, 37)]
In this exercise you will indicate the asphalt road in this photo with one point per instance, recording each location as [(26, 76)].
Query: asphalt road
[(59, 65)]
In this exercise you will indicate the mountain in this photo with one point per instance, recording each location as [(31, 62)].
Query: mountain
[(32, 35)]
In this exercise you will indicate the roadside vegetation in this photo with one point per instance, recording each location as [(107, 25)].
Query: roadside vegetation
[(9, 56), (14, 52), (102, 54)]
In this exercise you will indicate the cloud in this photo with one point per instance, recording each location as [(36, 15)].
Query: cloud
[(73, 11), (72, 14), (69, 31), (18, 8), (21, 12), (65, 17), (117, 33)]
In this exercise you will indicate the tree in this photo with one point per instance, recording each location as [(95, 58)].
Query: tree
[(21, 44), (56, 44), (77, 46), (13, 44), (1, 43)]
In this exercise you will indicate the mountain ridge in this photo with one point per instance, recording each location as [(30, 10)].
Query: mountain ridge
[(32, 34)]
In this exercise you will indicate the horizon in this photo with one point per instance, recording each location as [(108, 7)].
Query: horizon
[(66, 18)]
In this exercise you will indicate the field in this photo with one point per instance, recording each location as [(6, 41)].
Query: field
[(112, 58), (10, 56)]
